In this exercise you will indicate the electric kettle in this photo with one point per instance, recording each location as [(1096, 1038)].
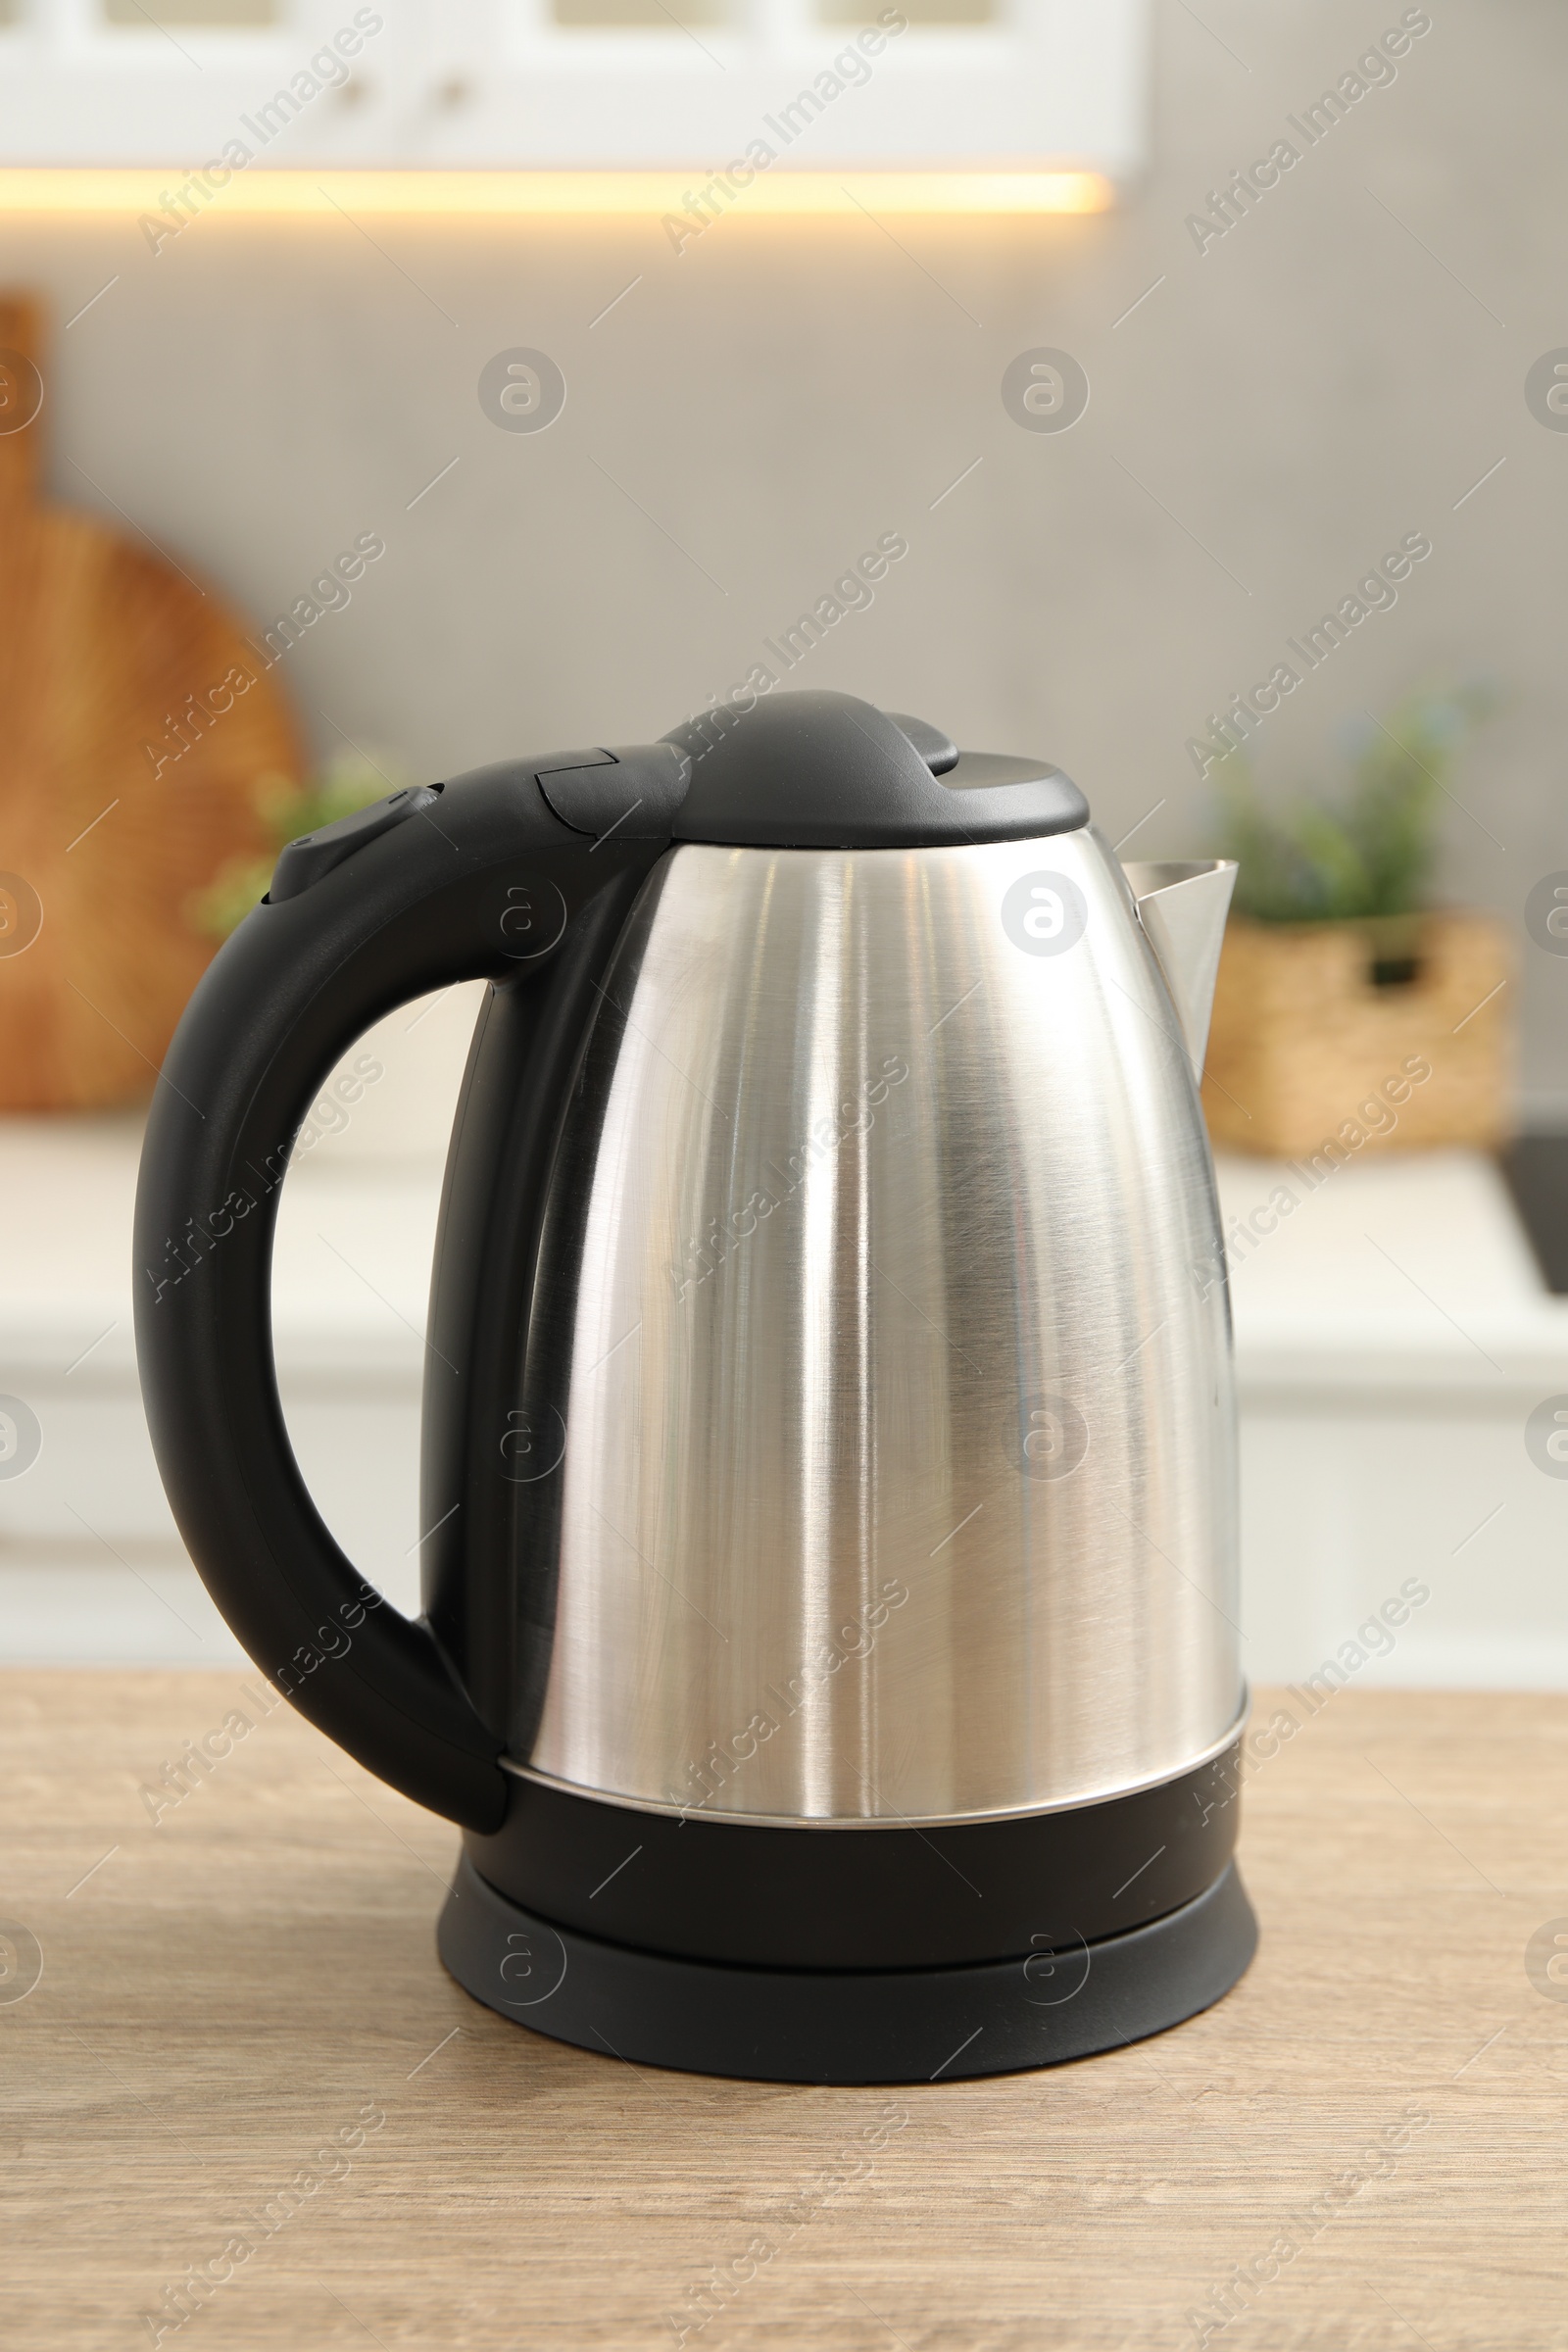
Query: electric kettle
[(829, 1638)]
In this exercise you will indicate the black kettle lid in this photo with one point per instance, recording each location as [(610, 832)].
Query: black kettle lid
[(812, 770)]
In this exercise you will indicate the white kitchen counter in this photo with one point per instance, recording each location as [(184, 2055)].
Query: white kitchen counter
[(1393, 1336), (90, 1565), (1402, 1275)]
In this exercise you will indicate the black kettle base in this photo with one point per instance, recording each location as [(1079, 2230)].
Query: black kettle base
[(857, 2026)]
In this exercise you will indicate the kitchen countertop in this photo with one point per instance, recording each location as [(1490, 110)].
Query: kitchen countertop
[(227, 1990), (1403, 1276)]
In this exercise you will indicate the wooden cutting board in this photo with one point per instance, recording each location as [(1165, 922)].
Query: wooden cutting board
[(130, 748)]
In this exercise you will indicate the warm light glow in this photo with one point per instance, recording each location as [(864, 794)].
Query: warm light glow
[(496, 194)]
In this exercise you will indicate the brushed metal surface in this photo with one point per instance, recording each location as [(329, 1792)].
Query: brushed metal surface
[(876, 1299)]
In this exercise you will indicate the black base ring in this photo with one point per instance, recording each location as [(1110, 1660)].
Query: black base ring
[(848, 2026), (880, 1896)]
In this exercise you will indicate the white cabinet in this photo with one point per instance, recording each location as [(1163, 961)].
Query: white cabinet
[(692, 87)]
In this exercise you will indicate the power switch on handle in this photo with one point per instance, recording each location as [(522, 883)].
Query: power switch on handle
[(304, 861)]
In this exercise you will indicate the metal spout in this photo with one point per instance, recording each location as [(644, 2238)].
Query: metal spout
[(1182, 906)]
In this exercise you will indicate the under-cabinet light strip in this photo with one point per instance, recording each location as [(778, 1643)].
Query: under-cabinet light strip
[(473, 194)]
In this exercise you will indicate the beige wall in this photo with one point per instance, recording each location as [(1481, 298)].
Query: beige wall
[(1300, 396)]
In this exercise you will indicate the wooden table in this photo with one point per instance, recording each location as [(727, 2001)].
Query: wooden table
[(251, 1979)]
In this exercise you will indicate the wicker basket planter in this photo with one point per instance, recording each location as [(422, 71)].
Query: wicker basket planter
[(1307, 1048)]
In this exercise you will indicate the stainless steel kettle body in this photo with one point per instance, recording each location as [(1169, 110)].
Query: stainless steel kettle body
[(831, 1638), (899, 1476)]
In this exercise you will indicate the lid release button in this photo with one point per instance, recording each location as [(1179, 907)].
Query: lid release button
[(314, 854)]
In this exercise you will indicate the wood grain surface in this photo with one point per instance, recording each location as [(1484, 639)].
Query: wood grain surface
[(251, 1979), (136, 720)]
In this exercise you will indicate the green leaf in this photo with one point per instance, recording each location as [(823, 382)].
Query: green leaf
[(1373, 853)]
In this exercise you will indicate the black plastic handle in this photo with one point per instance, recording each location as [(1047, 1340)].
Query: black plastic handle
[(483, 880)]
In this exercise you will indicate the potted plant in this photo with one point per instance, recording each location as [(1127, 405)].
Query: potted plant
[(1349, 1009)]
